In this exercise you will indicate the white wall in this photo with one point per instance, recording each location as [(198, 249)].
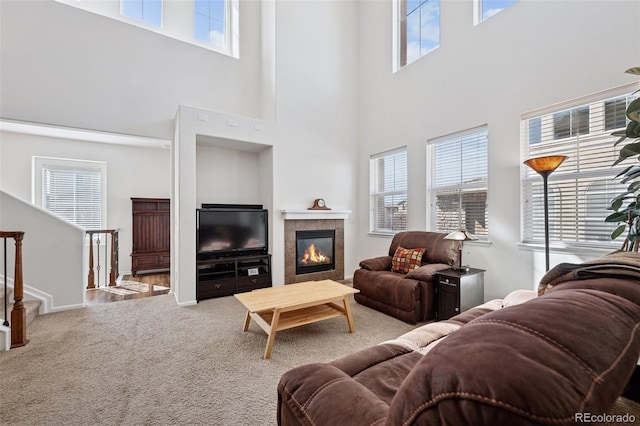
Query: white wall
[(131, 172), (317, 111), (54, 261), (532, 54), (65, 66), (226, 176)]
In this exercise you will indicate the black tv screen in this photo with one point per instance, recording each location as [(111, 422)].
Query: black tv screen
[(226, 232)]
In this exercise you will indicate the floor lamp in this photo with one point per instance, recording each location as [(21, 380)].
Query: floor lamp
[(544, 166)]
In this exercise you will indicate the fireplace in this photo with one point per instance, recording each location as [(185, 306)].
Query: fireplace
[(315, 251), (313, 220)]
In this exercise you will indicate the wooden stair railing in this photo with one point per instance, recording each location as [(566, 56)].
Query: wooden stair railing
[(18, 313), (113, 257)]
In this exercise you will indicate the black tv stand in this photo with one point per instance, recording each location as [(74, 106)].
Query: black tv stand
[(224, 276)]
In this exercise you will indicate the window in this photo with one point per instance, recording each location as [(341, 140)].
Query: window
[(457, 184), (418, 29), (147, 11), (571, 122), (615, 116), (581, 189), (388, 191), (72, 190), (209, 22), (485, 9)]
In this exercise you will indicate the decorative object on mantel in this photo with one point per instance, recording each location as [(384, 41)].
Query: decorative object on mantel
[(319, 204)]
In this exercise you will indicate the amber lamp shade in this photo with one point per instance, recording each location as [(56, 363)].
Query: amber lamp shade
[(545, 166)]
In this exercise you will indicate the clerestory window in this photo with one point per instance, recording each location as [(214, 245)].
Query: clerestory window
[(147, 11), (485, 9), (417, 24), (211, 24)]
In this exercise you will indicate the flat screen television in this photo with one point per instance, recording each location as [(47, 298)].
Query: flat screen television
[(231, 232)]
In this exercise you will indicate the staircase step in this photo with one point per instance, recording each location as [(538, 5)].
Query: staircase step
[(9, 296), (31, 306)]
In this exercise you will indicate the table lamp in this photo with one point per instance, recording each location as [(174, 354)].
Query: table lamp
[(460, 235)]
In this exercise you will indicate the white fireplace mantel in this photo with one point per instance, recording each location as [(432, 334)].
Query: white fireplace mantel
[(315, 214)]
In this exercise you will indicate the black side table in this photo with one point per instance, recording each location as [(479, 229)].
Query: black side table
[(458, 291)]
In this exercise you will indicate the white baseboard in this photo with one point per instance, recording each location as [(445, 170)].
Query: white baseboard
[(189, 303), (5, 338)]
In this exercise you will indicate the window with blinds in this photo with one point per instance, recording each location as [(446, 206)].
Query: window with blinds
[(388, 191), (72, 190), (457, 184), (581, 189)]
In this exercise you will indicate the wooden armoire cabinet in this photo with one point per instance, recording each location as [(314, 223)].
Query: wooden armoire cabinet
[(151, 235)]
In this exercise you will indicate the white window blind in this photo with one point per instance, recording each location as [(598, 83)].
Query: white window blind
[(457, 185), (72, 190), (581, 189), (388, 191)]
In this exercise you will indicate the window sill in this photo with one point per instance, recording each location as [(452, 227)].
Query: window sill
[(579, 250), (382, 234)]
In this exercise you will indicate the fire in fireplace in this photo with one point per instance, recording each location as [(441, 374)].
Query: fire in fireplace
[(315, 251)]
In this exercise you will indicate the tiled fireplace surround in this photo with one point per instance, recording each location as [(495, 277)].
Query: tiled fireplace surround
[(290, 228)]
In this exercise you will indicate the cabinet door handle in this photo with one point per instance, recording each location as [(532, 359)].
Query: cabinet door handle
[(218, 286), (448, 284)]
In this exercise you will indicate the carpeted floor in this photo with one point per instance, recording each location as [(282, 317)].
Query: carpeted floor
[(149, 362)]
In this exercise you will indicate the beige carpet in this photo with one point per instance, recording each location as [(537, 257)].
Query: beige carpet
[(149, 362)]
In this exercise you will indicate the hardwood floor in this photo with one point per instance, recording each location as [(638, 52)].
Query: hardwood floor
[(131, 288)]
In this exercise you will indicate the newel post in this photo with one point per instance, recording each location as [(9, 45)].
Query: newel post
[(19, 313), (90, 277)]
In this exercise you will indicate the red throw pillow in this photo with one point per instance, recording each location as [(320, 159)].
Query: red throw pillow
[(406, 259)]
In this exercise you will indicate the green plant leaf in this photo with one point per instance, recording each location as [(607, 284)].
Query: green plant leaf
[(618, 231), (620, 197), (633, 110), (627, 151), (619, 140), (616, 217), (630, 175), (624, 171), (632, 129)]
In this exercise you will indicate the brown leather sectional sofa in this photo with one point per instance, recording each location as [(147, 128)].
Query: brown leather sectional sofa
[(509, 361), (409, 297)]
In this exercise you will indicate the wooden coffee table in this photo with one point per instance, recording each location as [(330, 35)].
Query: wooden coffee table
[(293, 305)]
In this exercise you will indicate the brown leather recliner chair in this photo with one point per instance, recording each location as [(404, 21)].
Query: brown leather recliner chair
[(409, 297)]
